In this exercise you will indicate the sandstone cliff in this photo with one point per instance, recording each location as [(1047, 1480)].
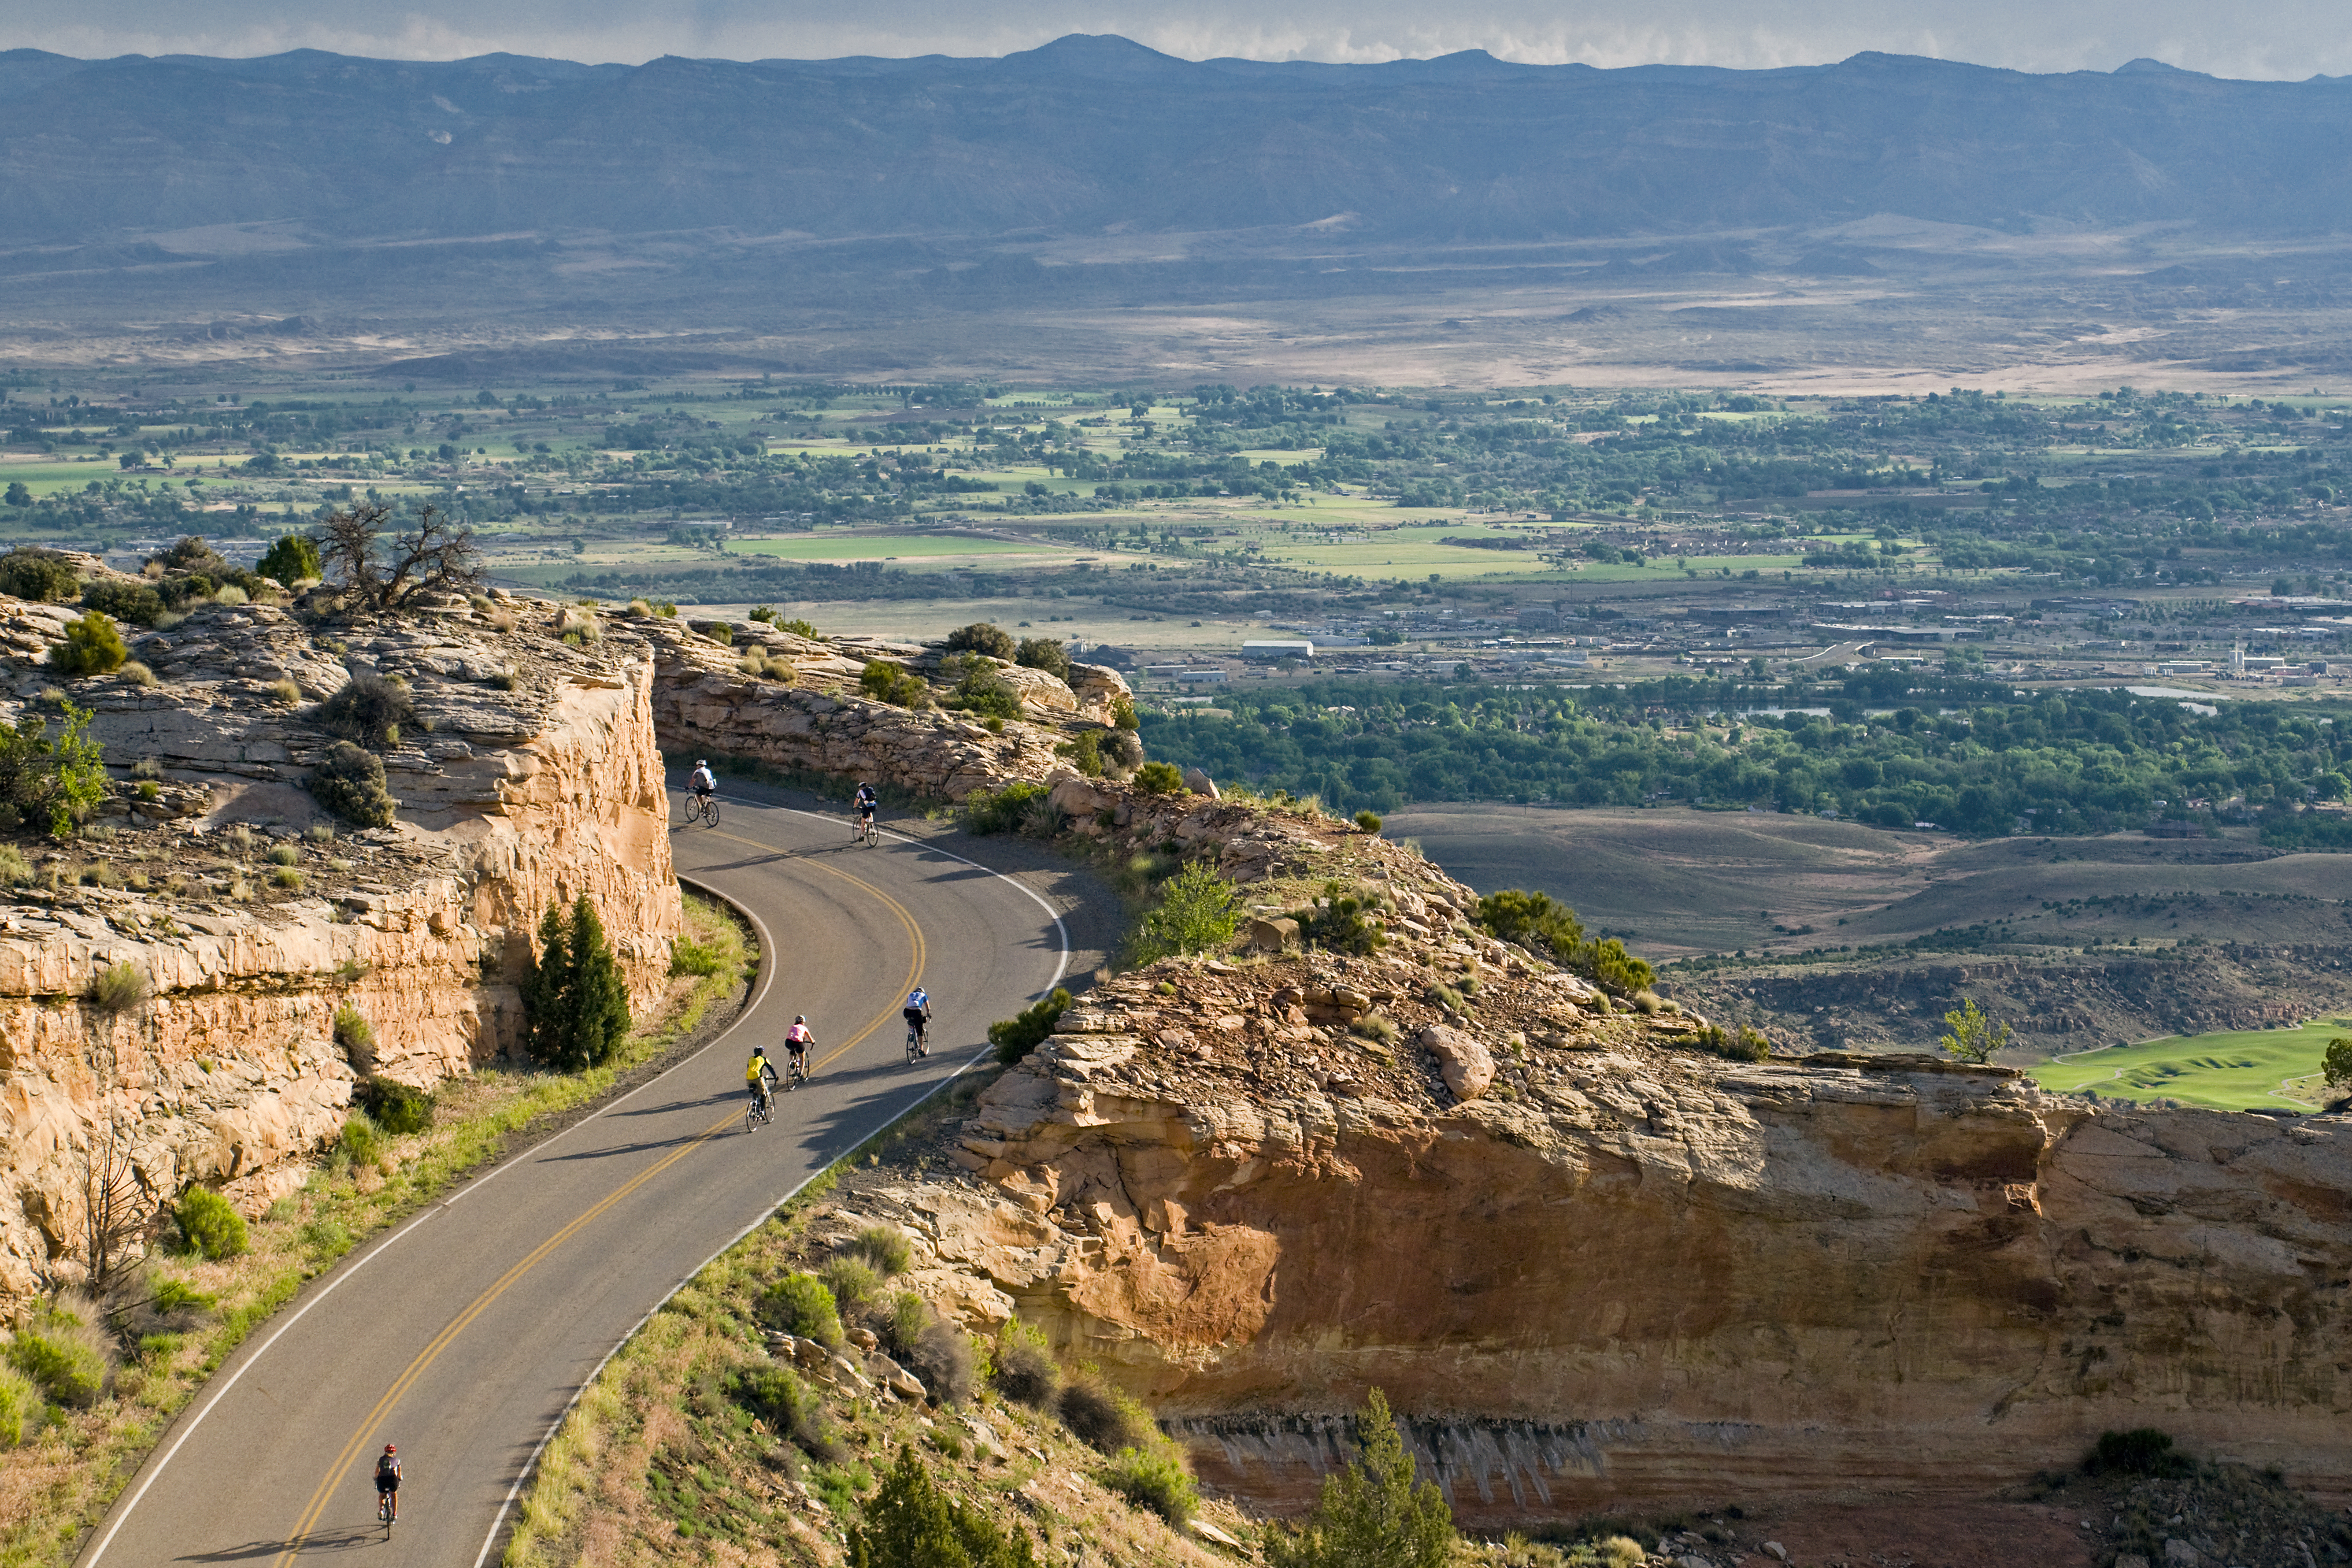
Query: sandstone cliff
[(529, 775), (1599, 1263)]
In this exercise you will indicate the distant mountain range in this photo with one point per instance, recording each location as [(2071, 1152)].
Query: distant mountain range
[(1090, 135)]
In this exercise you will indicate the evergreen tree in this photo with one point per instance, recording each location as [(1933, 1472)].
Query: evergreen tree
[(1372, 1516), (573, 996), (599, 1001), (909, 1525)]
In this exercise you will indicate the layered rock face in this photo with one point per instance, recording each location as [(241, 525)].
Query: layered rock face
[(1598, 1261), (803, 710), (527, 776), (1632, 1271)]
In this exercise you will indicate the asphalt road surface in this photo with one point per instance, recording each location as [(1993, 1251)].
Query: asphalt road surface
[(464, 1334)]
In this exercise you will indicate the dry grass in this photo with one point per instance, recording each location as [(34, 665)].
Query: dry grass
[(52, 1487)]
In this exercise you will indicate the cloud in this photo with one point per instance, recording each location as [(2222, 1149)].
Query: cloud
[(2290, 38)]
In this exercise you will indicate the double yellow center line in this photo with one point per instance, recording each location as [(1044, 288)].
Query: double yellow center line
[(369, 1428)]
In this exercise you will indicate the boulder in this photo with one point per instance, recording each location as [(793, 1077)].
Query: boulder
[(1468, 1066), (1200, 783), (1271, 936)]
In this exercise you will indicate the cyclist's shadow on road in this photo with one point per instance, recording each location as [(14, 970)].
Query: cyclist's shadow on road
[(317, 1540)]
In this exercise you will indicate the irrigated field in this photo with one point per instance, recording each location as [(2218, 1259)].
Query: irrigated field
[(2276, 1069)]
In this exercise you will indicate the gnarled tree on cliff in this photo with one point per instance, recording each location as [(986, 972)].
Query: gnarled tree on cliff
[(383, 567)]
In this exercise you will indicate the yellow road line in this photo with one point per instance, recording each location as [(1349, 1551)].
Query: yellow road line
[(457, 1326)]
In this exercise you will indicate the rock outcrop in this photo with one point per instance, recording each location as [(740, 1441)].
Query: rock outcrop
[(748, 690), (528, 774), (1596, 1258)]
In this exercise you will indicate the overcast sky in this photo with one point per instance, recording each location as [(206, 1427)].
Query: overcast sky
[(2287, 39)]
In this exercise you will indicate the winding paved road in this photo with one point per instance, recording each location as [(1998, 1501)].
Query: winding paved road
[(464, 1334)]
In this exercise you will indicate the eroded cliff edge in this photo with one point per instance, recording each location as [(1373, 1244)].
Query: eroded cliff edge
[(1599, 1263), (529, 775)]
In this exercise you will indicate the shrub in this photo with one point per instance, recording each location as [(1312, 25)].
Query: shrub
[(1372, 1512), (1377, 1027), (687, 956), (293, 558), (370, 709), (2142, 1451), (1044, 654), (573, 996), (117, 990), (980, 637), (38, 575), (397, 1107), (20, 1406), (1022, 1369), (886, 682), (1198, 912), (210, 1224), (2336, 1062), (286, 692), (987, 811), (943, 1359), (910, 1525), (1159, 779), (1532, 920), (1085, 753), (1122, 714), (134, 602), (137, 674), (903, 1323), (979, 689), (285, 854), (1606, 961), (54, 780), (361, 1141), (791, 1410), (852, 1280), (885, 1247), (1102, 1418), (349, 782), (1017, 1035), (15, 871), (64, 1348), (229, 593), (1742, 1044), (93, 646), (1154, 1476), (1368, 822), (801, 1304), (353, 1037), (1123, 749), (1336, 923)]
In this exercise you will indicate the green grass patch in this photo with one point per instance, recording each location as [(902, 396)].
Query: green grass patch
[(2237, 1070)]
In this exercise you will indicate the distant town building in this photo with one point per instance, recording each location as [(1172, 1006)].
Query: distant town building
[(1271, 649)]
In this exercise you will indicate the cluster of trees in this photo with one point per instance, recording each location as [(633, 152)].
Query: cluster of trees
[(2064, 763)]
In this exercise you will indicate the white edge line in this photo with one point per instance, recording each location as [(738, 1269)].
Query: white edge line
[(127, 1506), (530, 1465)]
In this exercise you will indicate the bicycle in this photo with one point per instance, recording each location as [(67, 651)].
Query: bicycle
[(795, 1070), (702, 809), (864, 831), (917, 1046), (385, 1512), (759, 1113)]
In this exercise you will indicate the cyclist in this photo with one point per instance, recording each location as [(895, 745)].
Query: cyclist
[(759, 1072), (797, 1040), (865, 800), (917, 1013), (387, 1478), (702, 782)]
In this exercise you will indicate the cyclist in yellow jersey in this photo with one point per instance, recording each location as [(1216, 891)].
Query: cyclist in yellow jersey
[(759, 1074)]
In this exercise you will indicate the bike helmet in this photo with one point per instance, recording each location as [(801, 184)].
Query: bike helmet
[(800, 1018), (391, 1448), (702, 762), (759, 1050)]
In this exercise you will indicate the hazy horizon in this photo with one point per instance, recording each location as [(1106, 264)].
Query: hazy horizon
[(2288, 42)]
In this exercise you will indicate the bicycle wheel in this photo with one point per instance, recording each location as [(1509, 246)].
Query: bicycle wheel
[(914, 1044)]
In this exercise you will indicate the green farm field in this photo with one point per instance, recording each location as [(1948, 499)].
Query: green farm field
[(2272, 1069)]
